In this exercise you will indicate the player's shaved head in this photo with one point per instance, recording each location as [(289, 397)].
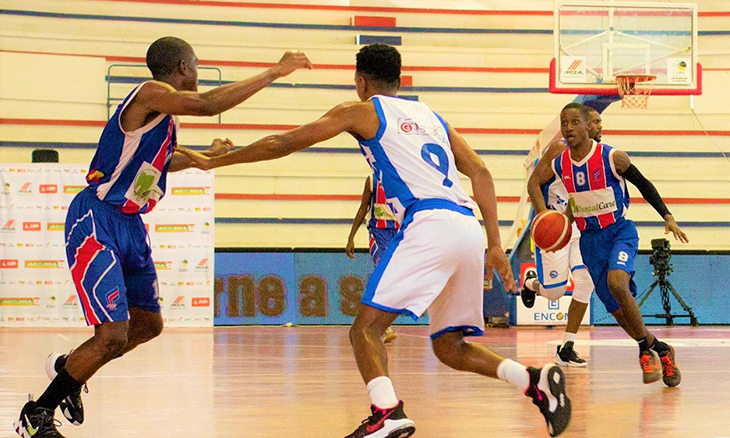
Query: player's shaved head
[(165, 54), (582, 109)]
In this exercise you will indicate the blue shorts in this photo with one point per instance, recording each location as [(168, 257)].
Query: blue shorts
[(610, 249), (379, 240), (110, 260)]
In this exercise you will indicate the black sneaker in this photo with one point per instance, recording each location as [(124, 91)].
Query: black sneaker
[(528, 295), (547, 390), (385, 423), (36, 422), (71, 407), (567, 357)]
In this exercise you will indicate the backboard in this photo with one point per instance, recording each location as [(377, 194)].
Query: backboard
[(597, 40)]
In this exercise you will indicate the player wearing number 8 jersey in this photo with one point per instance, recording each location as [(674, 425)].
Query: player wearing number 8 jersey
[(595, 175), (436, 260)]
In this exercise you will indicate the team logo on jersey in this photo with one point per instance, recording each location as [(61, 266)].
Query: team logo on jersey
[(597, 175), (411, 127), (94, 176), (111, 299), (145, 185)]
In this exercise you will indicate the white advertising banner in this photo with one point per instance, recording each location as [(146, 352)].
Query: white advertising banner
[(35, 284)]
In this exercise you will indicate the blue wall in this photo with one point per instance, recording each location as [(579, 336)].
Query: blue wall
[(311, 287)]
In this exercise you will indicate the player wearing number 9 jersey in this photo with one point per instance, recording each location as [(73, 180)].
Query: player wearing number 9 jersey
[(436, 260)]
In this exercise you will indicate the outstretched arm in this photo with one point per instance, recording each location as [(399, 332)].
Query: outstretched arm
[(180, 161), (469, 163), (624, 168), (359, 218), (346, 117)]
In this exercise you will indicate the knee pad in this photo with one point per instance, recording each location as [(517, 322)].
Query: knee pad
[(582, 285), (554, 293)]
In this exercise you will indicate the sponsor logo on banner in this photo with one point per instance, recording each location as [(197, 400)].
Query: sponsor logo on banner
[(203, 265), (44, 264), (56, 226), (25, 301), (206, 228), (174, 228), (71, 301), (72, 190), (26, 189), (9, 226), (6, 189), (178, 303), (163, 266), (8, 264), (48, 188), (187, 191), (51, 302), (183, 266), (31, 226), (573, 69), (201, 302)]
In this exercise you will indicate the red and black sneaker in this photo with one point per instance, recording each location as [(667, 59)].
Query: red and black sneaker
[(385, 423), (670, 372), (651, 370), (547, 390)]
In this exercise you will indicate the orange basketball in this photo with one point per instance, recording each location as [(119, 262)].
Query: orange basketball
[(551, 230)]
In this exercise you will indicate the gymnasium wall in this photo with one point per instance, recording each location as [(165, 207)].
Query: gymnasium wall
[(484, 70)]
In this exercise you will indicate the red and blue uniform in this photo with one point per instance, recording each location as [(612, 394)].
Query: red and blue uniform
[(599, 200), (382, 224), (106, 241)]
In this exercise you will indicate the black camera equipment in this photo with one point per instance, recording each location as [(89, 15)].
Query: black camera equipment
[(660, 256)]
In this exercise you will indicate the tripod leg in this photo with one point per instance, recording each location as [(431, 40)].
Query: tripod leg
[(684, 305), (648, 292)]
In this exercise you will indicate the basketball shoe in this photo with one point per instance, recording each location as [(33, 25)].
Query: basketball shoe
[(547, 390), (385, 423), (71, 407), (567, 357), (670, 372), (527, 294), (650, 365), (389, 335), (36, 422)]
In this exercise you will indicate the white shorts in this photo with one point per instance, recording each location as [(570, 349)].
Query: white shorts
[(554, 268), (435, 262)]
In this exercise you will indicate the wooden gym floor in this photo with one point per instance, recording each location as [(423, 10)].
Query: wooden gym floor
[(303, 382)]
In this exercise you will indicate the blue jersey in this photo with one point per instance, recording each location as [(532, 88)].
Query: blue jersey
[(129, 169), (381, 214), (598, 194)]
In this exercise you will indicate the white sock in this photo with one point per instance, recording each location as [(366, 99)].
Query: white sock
[(382, 394), (533, 284), (514, 373), (569, 337)]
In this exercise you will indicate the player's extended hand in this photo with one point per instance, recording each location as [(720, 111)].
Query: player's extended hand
[(220, 147), (350, 248), (291, 61), (497, 259), (670, 225), (199, 160)]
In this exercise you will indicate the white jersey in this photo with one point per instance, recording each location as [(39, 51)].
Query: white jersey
[(555, 193), (413, 154)]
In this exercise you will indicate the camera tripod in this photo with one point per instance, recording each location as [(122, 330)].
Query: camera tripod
[(664, 288)]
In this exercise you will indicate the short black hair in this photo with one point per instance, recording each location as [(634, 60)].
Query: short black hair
[(582, 109), (165, 54), (380, 62)]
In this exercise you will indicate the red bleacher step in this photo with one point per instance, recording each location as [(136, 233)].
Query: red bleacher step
[(362, 20)]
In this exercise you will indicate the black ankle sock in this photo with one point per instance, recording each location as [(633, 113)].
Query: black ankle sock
[(60, 388), (660, 347), (60, 363), (643, 344)]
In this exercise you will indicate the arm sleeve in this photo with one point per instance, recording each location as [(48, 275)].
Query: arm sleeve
[(647, 189)]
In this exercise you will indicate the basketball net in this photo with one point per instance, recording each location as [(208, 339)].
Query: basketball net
[(635, 90)]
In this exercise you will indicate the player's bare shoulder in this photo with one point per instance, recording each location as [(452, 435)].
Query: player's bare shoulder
[(363, 117)]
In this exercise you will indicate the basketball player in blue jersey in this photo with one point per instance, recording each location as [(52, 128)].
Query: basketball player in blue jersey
[(550, 277), (382, 227), (594, 175), (436, 261), (106, 241)]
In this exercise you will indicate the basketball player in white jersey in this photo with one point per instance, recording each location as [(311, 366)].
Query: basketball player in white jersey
[(550, 276), (436, 261), (106, 241)]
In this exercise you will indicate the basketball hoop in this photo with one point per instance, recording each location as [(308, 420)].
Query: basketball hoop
[(634, 90)]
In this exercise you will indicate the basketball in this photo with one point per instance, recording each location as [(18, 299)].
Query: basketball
[(551, 230)]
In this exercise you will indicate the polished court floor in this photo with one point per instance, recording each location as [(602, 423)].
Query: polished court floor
[(302, 382)]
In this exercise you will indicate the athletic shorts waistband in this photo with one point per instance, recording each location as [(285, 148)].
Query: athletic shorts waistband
[(437, 204)]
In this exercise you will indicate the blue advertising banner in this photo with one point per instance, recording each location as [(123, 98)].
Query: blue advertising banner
[(303, 288)]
